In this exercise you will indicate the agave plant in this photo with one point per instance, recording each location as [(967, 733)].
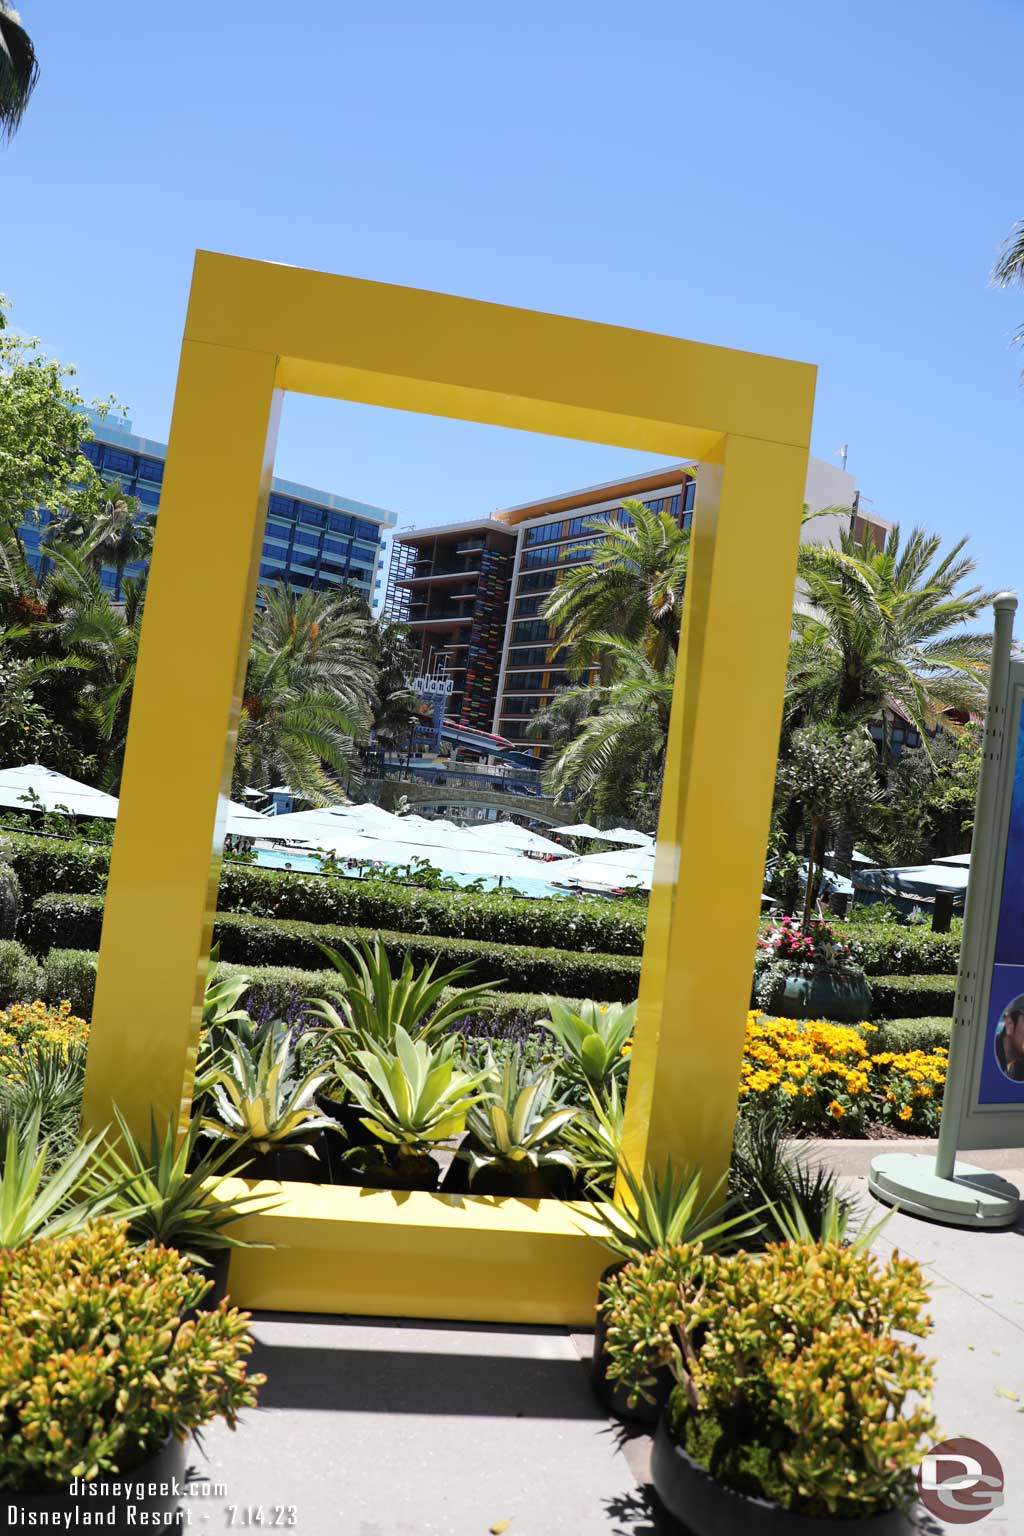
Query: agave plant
[(517, 1124), (36, 1203), (260, 1099), (665, 1209), (595, 1139), (168, 1195), (376, 1003), (594, 1037), (413, 1095)]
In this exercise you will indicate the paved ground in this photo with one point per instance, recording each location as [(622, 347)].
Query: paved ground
[(386, 1429)]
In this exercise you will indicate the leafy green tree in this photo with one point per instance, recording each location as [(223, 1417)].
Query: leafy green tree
[(630, 585), (928, 810), (887, 626), (833, 777), (42, 466), (19, 70)]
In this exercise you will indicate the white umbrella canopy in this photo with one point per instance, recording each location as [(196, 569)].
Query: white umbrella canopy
[(507, 834), (34, 787), (627, 835), (615, 835), (634, 866)]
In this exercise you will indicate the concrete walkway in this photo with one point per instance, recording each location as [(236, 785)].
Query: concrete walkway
[(388, 1429)]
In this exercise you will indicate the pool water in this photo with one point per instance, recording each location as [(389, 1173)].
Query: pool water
[(280, 858)]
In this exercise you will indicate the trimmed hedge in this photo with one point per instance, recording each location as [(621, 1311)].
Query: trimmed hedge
[(60, 922), (19, 974), (276, 991), (593, 924), (911, 997), (891, 950), (911, 1035)]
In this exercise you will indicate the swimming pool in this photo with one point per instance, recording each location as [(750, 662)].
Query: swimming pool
[(287, 858)]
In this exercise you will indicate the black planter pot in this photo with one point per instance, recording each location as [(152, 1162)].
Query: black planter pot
[(612, 1395), (413, 1173), (215, 1269), (512, 1183), (47, 1507), (288, 1163), (705, 1507), (349, 1116)]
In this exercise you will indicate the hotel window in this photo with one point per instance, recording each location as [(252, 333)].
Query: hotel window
[(339, 522), (689, 495), (151, 469), (282, 504), (544, 533), (533, 629), (307, 538), (674, 505), (311, 515), (148, 495), (365, 530), (120, 463), (537, 557), (538, 581), (527, 606)]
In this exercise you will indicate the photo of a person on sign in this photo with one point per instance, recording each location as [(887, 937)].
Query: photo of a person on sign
[(1009, 1042)]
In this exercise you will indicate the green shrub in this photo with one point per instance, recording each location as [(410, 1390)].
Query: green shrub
[(45, 864), (84, 1394), (888, 949), (580, 923), (924, 1034), (793, 1382), (10, 901), (19, 973), (908, 997), (69, 975), (74, 922)]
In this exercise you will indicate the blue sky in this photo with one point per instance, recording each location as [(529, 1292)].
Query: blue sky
[(829, 183)]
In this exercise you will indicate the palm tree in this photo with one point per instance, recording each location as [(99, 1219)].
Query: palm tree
[(1010, 266), (307, 690), (614, 763), (394, 704), (19, 70), (103, 525), (886, 628), (630, 584)]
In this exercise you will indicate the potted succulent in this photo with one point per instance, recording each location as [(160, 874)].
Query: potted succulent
[(806, 971), (513, 1146), (263, 1106), (374, 1003), (91, 1333), (168, 1194), (595, 1038), (796, 1406), (413, 1096), (661, 1209)]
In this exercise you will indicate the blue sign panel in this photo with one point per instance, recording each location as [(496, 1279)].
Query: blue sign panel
[(1002, 1068)]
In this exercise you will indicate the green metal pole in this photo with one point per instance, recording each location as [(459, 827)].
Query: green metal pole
[(979, 912)]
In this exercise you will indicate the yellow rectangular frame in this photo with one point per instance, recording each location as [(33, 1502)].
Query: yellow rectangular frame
[(253, 331)]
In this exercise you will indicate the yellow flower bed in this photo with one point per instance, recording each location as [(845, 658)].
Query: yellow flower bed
[(28, 1027), (823, 1077)]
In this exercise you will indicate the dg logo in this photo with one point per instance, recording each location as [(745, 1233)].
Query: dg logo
[(960, 1481)]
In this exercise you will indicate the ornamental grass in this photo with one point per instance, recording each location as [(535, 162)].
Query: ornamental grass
[(823, 1078)]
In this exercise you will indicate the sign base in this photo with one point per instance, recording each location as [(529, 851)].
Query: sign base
[(973, 1197)]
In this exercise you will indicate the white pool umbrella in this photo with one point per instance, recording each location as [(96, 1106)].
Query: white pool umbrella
[(34, 787), (507, 834)]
